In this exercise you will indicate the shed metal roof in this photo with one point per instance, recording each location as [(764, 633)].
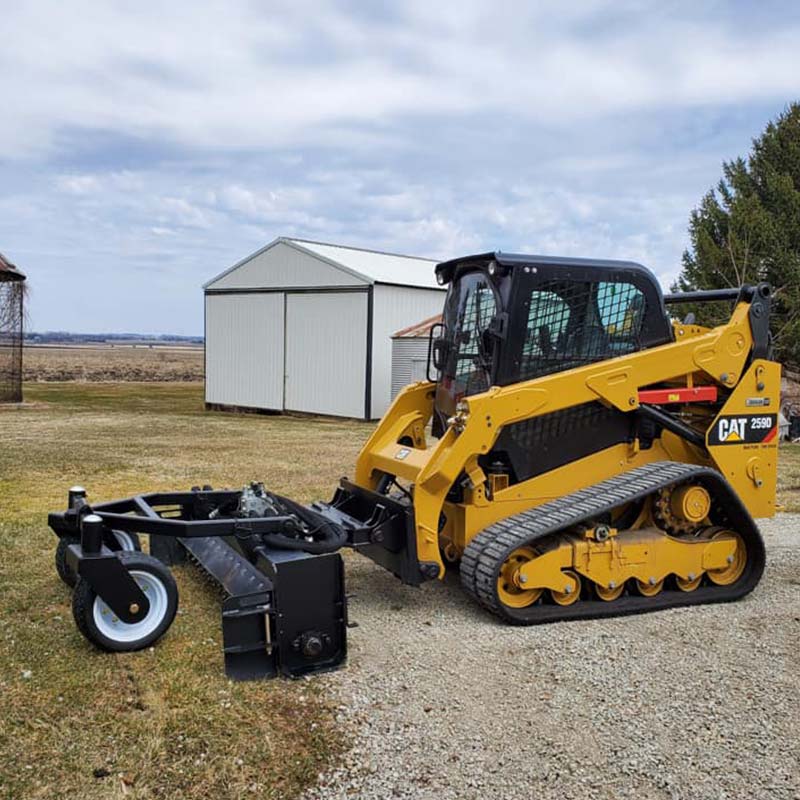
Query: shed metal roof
[(371, 266), (420, 330), (375, 265)]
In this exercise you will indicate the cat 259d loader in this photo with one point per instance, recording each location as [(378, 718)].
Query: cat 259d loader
[(576, 453)]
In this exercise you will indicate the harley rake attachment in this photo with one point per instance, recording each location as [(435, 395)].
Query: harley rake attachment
[(284, 610)]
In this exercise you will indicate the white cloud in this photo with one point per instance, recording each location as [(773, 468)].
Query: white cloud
[(227, 76), (148, 146), (78, 184)]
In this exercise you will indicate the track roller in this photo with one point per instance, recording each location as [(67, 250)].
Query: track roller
[(570, 595), (608, 593), (649, 588)]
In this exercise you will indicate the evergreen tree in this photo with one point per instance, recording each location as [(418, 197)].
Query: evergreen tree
[(748, 230)]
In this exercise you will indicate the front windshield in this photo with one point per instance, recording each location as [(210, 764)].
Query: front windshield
[(469, 308)]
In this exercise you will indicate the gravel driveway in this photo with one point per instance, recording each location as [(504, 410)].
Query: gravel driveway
[(442, 701)]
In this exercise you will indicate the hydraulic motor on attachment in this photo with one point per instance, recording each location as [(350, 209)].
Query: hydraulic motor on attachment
[(577, 452)]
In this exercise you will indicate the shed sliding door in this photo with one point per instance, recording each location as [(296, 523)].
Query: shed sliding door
[(326, 353), (244, 350)]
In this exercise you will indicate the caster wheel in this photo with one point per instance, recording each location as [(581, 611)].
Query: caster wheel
[(98, 623), (63, 569)]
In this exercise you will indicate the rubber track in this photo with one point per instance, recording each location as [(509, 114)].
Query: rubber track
[(486, 553)]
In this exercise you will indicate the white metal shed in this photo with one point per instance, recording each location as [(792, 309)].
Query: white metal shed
[(306, 326), (410, 353)]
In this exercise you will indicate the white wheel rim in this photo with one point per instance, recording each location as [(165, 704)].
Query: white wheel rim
[(112, 627), (125, 541)]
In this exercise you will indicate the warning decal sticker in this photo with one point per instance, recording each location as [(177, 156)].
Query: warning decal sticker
[(744, 429)]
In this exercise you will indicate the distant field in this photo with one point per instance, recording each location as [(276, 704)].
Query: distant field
[(112, 363)]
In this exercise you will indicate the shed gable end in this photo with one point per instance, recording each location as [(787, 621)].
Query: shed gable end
[(281, 266)]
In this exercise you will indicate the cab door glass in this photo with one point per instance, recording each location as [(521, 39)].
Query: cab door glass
[(471, 361)]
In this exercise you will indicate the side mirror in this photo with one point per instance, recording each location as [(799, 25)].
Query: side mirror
[(438, 350)]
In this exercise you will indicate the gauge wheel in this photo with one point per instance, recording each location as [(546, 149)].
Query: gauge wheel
[(122, 541), (65, 572), (98, 623)]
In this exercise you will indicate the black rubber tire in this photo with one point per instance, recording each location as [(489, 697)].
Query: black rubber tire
[(117, 546), (83, 601), (62, 568)]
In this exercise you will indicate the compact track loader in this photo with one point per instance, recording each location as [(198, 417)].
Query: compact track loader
[(576, 454)]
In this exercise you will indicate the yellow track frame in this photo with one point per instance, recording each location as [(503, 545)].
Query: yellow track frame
[(647, 555)]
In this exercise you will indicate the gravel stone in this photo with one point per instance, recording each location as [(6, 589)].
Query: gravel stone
[(440, 700)]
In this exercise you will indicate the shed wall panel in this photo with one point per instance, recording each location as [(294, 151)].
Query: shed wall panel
[(244, 350), (409, 362), (395, 307), (326, 353), (283, 266)]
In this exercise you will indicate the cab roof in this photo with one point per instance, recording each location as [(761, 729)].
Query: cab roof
[(446, 270)]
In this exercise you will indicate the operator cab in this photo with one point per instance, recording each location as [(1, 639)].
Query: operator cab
[(511, 318)]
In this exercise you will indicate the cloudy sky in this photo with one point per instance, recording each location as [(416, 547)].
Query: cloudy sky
[(146, 147)]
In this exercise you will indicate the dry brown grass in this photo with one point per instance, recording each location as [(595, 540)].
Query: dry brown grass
[(164, 723), (789, 477), (113, 363)]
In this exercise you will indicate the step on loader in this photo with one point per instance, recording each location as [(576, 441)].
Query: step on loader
[(576, 452)]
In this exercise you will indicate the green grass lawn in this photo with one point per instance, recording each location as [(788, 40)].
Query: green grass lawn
[(164, 722)]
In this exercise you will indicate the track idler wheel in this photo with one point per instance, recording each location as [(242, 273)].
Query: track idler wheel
[(736, 562), (98, 623), (509, 591)]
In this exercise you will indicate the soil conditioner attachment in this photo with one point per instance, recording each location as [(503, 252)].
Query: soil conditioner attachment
[(577, 453)]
